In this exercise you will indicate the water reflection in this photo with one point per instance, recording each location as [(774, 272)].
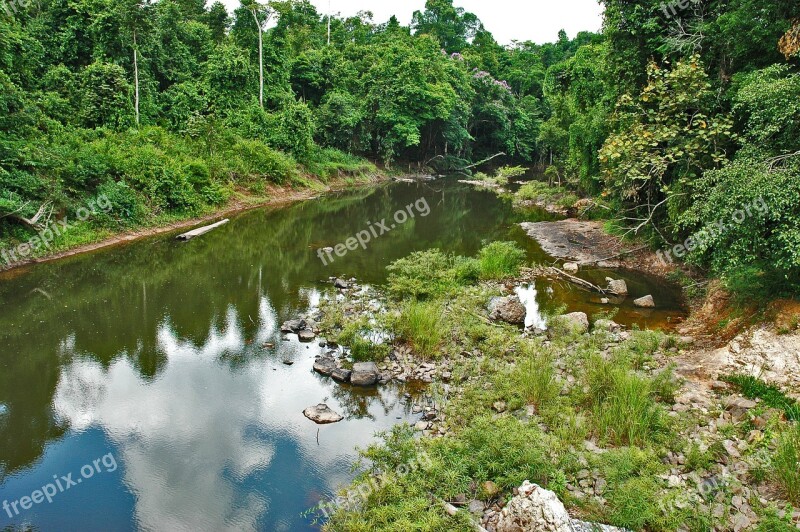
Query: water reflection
[(533, 317)]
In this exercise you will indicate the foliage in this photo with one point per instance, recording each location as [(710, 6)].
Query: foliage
[(786, 463), (755, 388)]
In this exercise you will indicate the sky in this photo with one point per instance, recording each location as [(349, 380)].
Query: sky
[(535, 20)]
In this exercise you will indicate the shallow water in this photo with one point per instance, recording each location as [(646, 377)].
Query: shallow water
[(145, 363)]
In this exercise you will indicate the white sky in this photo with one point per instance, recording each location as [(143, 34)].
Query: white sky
[(535, 20)]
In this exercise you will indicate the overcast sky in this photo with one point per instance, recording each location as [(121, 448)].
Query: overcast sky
[(535, 20)]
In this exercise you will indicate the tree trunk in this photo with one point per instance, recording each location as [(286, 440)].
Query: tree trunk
[(136, 77), (260, 61)]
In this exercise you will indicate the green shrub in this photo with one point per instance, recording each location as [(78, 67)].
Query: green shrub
[(535, 379), (420, 275), (499, 260)]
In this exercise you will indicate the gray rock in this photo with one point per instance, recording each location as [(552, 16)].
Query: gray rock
[(293, 326), (322, 414), (341, 375), (607, 325), (618, 287), (364, 374), (306, 335), (476, 507), (571, 267), (645, 302), (508, 309), (536, 509), (325, 365), (341, 284), (576, 321)]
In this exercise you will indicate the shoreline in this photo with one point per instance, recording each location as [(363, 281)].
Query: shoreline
[(274, 197)]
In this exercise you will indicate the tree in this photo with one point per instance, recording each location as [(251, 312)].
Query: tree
[(261, 14), (453, 27)]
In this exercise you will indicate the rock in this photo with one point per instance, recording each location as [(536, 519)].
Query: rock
[(322, 414), (617, 287), (536, 509), (645, 302), (325, 365), (476, 507), (421, 425), (306, 336), (341, 284), (293, 326), (607, 325), (490, 489), (508, 309), (341, 375), (364, 374), (288, 362), (577, 322), (571, 267), (499, 407), (604, 301)]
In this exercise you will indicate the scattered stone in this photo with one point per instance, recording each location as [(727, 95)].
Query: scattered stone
[(499, 407), (306, 336), (645, 302), (364, 374), (508, 309), (571, 267), (268, 345), (604, 301), (341, 284), (341, 375), (476, 507), (421, 425), (288, 362), (322, 414), (325, 366), (618, 287), (490, 489)]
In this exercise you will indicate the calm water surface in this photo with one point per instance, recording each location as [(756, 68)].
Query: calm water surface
[(145, 363)]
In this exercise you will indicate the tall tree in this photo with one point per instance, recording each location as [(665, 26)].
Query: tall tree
[(261, 14)]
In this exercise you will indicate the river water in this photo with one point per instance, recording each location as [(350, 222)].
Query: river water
[(134, 380)]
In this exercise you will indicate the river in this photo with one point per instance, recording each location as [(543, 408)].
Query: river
[(135, 379)]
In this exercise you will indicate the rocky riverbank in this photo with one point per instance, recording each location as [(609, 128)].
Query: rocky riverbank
[(634, 438)]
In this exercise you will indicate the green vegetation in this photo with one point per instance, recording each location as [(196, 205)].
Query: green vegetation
[(786, 463), (755, 388)]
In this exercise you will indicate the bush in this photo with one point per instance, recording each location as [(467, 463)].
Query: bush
[(421, 275), (499, 260)]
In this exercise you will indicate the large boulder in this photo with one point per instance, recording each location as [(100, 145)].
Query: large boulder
[(322, 414), (364, 374), (536, 509), (618, 287), (508, 309), (325, 366), (645, 302), (576, 322), (293, 326), (306, 335)]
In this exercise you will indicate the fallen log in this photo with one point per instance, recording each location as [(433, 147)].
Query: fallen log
[(201, 231), (577, 280)]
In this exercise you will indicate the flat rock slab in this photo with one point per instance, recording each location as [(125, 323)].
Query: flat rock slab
[(322, 414), (581, 241), (325, 366)]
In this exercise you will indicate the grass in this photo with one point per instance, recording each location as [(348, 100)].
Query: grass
[(535, 378), (754, 388), (420, 324), (499, 260), (624, 410), (786, 463)]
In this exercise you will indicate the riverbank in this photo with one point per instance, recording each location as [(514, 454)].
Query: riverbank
[(92, 239), (614, 422)]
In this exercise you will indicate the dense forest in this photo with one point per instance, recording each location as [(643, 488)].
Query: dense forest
[(682, 117)]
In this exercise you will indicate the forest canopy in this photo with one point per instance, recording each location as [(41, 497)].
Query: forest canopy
[(673, 114)]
